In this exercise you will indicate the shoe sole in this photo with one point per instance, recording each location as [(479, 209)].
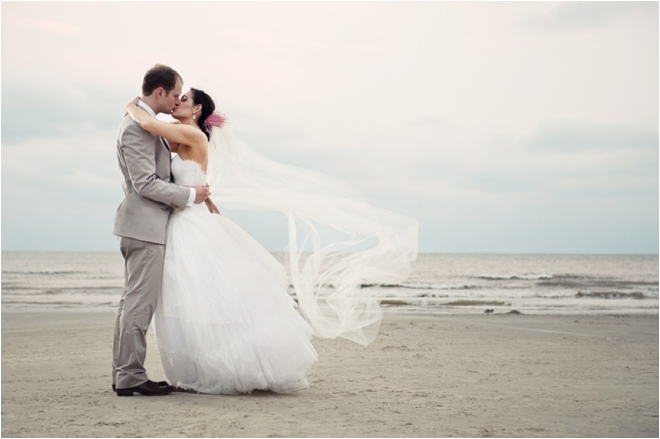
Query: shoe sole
[(160, 383), (129, 392)]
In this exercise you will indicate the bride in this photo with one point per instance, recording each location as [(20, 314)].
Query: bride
[(225, 322)]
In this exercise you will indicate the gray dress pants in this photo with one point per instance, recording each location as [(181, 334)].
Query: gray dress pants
[(143, 264)]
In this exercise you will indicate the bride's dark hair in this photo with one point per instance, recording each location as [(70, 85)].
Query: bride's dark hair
[(208, 107)]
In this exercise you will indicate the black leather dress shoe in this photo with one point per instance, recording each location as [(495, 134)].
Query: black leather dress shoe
[(160, 383), (148, 388)]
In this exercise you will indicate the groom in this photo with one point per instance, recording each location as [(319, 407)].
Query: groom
[(140, 224)]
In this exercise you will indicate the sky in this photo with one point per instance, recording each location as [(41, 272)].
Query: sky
[(515, 127)]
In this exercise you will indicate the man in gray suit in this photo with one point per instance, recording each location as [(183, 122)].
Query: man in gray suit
[(140, 224)]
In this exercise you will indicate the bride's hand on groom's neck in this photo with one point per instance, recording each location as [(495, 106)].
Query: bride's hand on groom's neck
[(131, 104)]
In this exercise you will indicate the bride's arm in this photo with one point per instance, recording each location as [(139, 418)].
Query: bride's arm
[(174, 133), (174, 147)]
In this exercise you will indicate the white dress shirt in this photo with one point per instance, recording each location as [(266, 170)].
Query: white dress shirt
[(147, 108)]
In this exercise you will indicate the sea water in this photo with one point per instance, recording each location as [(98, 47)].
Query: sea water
[(439, 283)]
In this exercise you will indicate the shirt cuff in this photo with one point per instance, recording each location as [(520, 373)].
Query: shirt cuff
[(191, 197)]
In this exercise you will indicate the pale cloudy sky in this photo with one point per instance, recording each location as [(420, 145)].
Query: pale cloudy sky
[(502, 127)]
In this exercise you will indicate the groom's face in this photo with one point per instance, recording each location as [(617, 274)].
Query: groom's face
[(171, 100)]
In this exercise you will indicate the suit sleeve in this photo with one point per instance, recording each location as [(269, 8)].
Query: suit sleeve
[(141, 165)]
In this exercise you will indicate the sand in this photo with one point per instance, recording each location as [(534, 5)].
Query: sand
[(424, 376)]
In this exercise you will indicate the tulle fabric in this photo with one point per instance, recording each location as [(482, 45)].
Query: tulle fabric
[(337, 241), (225, 323)]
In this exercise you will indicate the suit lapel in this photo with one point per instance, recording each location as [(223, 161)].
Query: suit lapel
[(167, 145), (169, 157)]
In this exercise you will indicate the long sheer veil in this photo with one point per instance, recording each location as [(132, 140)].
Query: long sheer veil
[(338, 244)]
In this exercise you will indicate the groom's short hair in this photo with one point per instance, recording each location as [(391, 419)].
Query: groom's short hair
[(160, 76)]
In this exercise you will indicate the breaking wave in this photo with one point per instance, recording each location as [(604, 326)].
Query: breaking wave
[(515, 276), (424, 286), (42, 272), (610, 295)]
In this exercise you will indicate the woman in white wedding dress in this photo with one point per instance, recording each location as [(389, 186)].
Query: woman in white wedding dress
[(225, 323)]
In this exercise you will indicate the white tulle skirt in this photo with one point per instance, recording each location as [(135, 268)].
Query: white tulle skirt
[(225, 323)]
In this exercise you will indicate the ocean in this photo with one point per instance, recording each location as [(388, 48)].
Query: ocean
[(438, 284)]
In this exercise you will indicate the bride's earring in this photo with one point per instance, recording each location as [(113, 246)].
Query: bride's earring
[(194, 117)]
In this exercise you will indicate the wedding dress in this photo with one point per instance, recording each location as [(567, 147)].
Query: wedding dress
[(225, 322)]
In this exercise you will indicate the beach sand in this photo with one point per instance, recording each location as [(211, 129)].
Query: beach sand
[(469, 375)]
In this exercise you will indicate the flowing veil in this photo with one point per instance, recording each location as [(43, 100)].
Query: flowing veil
[(338, 244)]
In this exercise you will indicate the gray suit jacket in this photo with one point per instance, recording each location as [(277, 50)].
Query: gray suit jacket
[(149, 195)]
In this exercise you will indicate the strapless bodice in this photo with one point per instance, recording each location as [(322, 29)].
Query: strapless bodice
[(187, 172)]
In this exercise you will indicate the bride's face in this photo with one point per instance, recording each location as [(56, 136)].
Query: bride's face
[(186, 107)]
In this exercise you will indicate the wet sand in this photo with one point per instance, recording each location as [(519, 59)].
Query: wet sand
[(424, 376)]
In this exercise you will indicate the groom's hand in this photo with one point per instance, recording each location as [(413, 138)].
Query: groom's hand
[(202, 193)]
